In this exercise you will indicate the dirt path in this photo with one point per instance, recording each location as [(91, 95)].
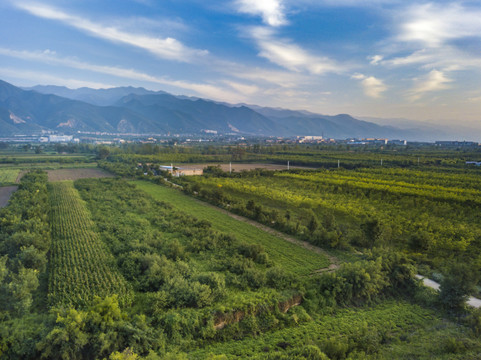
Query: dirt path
[(472, 301), (20, 175), (332, 259), (5, 194)]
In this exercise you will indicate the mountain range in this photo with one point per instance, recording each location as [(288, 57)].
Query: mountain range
[(137, 110)]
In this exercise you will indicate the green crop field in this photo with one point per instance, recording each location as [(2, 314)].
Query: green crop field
[(8, 176), (292, 257), (433, 214), (112, 268), (81, 266), (390, 330)]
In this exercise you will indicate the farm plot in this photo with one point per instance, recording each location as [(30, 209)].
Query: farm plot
[(8, 176), (80, 265), (75, 174), (293, 258)]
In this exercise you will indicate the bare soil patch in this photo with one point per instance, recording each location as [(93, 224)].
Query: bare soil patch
[(240, 167), (74, 174), (5, 194)]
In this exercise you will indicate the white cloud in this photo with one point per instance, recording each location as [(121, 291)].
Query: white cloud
[(435, 24), (242, 88), (376, 59), (290, 56), (271, 11), (166, 48), (373, 87), (434, 81)]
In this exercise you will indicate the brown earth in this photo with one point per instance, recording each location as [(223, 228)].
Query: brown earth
[(5, 194), (74, 174), (240, 167)]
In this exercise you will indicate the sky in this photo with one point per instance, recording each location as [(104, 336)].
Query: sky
[(381, 58)]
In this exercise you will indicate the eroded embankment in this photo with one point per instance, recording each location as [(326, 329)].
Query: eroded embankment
[(222, 320)]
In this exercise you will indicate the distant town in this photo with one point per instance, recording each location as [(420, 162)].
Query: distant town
[(49, 137)]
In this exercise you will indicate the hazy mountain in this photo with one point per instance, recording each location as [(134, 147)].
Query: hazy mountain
[(338, 126), (29, 111), (137, 110), (430, 131), (101, 97), (187, 115)]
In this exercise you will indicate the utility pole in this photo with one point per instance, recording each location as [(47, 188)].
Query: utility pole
[(287, 165), (230, 168), (338, 164), (381, 161)]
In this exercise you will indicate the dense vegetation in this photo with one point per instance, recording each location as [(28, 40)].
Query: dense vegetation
[(432, 214), (310, 155), (120, 269)]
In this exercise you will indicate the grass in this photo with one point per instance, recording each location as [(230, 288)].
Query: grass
[(8, 176), (389, 330), (291, 257)]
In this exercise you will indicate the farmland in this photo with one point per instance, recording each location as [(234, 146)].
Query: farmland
[(81, 267), (432, 214), (299, 264), (292, 257), (76, 173), (8, 176)]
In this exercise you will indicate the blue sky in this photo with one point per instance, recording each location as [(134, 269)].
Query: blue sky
[(384, 58)]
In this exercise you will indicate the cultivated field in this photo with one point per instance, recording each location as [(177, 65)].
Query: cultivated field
[(293, 257), (75, 174), (81, 266), (8, 176)]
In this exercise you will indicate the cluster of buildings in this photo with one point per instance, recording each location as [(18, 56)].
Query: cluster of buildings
[(58, 139), (174, 171), (351, 141)]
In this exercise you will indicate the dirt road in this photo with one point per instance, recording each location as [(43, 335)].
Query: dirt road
[(472, 301), (5, 194)]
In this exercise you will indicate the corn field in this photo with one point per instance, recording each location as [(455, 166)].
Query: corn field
[(80, 267)]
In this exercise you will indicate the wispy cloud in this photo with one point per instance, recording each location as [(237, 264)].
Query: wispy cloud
[(201, 89), (271, 11), (435, 24), (373, 87), (435, 80), (289, 55), (166, 48)]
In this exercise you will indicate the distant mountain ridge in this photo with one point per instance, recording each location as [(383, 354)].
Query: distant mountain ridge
[(137, 110)]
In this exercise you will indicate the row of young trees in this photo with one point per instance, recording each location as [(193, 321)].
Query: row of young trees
[(24, 243), (432, 223)]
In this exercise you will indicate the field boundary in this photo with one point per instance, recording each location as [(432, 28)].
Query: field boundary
[(334, 261)]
